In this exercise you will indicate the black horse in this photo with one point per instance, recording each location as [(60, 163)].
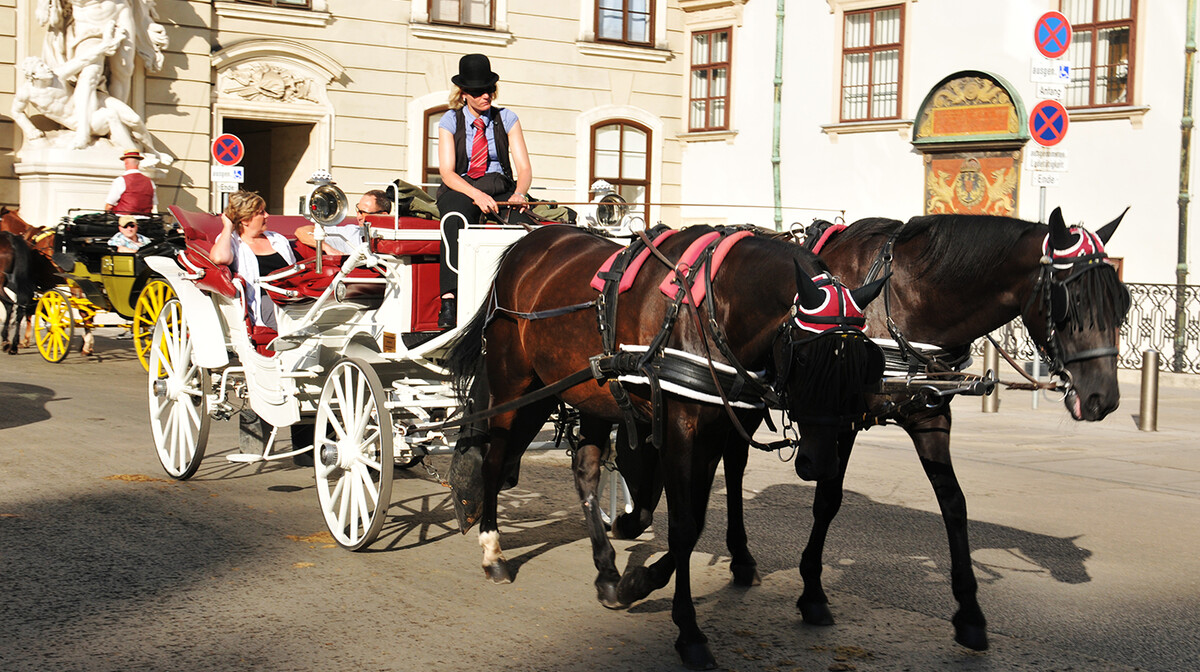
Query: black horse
[(25, 273), (539, 328), (955, 278)]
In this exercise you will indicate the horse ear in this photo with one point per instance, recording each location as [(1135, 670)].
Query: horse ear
[(867, 293), (811, 297), (1105, 232), (1060, 237)]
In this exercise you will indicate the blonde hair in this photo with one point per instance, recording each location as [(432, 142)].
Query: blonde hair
[(456, 102), (243, 205)]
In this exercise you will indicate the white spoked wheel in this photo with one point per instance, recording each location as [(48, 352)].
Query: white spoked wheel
[(353, 453), (178, 393)]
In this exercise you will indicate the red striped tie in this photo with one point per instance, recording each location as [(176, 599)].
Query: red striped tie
[(479, 152)]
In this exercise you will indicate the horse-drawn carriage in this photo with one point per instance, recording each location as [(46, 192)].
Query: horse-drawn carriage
[(101, 279), (357, 355)]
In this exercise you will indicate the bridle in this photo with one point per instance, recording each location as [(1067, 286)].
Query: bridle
[(1085, 257)]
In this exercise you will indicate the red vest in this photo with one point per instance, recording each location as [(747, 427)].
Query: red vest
[(138, 197)]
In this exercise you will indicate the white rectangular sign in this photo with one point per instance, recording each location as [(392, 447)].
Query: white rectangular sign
[(226, 187), (1046, 71), (1040, 179), (228, 174), (1048, 159), (1051, 91)]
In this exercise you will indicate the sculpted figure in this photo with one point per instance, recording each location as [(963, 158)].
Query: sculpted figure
[(47, 91), (76, 28)]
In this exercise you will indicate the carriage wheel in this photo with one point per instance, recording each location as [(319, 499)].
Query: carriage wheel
[(53, 325), (145, 314), (354, 465), (178, 395)]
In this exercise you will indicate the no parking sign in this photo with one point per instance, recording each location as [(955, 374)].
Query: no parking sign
[(1052, 34), (227, 150), (1048, 123)]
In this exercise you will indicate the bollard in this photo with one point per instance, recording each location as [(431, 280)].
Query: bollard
[(991, 362), (1148, 413), (1037, 375)]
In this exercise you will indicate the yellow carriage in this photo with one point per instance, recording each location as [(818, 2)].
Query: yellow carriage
[(101, 280)]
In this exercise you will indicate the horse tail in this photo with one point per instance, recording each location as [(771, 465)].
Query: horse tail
[(465, 359)]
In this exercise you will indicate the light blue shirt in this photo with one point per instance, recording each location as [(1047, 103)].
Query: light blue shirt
[(509, 118), (119, 240)]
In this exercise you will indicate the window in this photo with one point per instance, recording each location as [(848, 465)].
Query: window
[(294, 4), (709, 109), (429, 162), (471, 13), (621, 156), (628, 21), (872, 51), (1101, 51)]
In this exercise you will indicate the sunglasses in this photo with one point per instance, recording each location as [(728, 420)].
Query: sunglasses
[(372, 212), (475, 93), (129, 226)]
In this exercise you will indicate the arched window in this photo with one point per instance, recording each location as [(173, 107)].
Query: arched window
[(429, 161), (621, 156)]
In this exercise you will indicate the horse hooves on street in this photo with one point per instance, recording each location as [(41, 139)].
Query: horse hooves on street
[(607, 593), (970, 635), (636, 583), (696, 655), (815, 613), (745, 576), (627, 526), (498, 572)]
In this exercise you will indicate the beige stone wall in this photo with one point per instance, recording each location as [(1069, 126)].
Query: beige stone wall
[(386, 72), (8, 83)]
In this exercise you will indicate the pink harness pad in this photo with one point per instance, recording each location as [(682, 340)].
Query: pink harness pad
[(826, 235), (670, 285), (632, 269)]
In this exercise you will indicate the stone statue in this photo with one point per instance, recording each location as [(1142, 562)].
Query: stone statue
[(47, 90), (91, 46)]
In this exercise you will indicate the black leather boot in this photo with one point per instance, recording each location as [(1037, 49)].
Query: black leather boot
[(448, 317)]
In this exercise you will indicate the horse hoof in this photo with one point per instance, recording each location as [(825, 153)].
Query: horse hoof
[(497, 572), (607, 593), (745, 575), (627, 526), (973, 637), (696, 655), (815, 613), (634, 585)]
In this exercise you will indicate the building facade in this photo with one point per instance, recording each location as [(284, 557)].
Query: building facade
[(897, 108), (357, 87)]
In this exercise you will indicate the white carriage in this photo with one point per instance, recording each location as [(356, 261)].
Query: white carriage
[(357, 353)]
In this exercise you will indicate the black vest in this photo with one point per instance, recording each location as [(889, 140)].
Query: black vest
[(461, 161)]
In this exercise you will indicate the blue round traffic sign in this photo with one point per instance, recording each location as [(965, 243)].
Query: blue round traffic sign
[(1048, 123), (227, 150), (1052, 34)]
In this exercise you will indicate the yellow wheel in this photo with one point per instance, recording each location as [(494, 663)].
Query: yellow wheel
[(145, 314), (53, 325)]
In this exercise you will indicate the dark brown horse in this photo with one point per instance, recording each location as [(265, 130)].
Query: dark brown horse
[(24, 273), (753, 302), (955, 278)]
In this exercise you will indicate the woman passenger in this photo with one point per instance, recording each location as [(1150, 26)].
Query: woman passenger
[(252, 250)]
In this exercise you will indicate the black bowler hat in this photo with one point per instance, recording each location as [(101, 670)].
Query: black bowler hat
[(474, 73)]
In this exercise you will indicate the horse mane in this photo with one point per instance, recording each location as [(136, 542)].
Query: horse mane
[(959, 245)]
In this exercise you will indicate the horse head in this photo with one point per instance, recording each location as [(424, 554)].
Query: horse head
[(1075, 315), (825, 367)]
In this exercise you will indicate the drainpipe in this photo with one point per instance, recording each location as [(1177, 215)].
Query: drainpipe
[(1185, 161), (775, 160)]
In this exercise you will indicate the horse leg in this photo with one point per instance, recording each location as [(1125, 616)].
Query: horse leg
[(931, 435), (689, 477), (639, 467), (827, 500), (742, 565), (89, 341), (510, 433), (586, 467)]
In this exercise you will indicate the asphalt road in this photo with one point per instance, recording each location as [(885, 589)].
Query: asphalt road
[(1085, 544)]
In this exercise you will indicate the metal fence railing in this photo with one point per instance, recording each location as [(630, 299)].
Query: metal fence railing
[(1151, 324)]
